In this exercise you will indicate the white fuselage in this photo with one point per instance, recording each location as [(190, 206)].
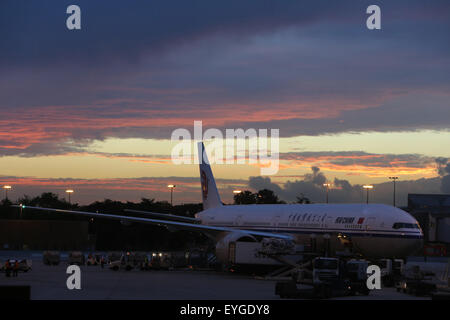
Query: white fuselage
[(374, 230)]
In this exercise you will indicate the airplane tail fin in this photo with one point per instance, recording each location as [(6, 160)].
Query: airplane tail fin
[(210, 194)]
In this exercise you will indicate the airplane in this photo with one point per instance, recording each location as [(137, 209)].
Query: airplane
[(371, 230)]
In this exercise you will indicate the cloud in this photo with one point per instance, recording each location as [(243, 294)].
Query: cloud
[(143, 69), (445, 185), (359, 162), (406, 113), (342, 191), (444, 172), (124, 32)]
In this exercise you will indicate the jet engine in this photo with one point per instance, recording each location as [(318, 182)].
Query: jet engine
[(223, 245)]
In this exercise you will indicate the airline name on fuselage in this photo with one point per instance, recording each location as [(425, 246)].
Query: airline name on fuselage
[(348, 220)]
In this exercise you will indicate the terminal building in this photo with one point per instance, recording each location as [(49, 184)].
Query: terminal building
[(432, 211)]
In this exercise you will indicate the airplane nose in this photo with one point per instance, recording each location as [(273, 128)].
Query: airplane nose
[(415, 245)]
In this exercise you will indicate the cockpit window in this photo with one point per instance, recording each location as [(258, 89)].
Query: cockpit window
[(402, 225)]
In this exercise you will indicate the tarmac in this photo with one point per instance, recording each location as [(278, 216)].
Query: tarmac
[(49, 283)]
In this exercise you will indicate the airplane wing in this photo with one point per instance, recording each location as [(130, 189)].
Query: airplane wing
[(208, 230), (164, 216)]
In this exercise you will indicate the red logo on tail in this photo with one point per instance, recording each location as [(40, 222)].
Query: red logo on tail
[(204, 185)]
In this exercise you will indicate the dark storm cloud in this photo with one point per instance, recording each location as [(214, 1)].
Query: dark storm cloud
[(125, 30), (342, 191), (350, 158), (407, 113), (45, 149), (33, 32), (443, 165), (307, 67)]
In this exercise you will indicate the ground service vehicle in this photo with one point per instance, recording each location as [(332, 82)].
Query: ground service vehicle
[(391, 271), (417, 283), (123, 263), (331, 277), (51, 258), (76, 257), (25, 265), (114, 256), (92, 260), (160, 260), (146, 264), (325, 269), (357, 274)]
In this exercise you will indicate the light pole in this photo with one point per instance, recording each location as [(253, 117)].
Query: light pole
[(6, 191), (171, 187), (393, 179), (69, 192), (327, 185), (367, 187)]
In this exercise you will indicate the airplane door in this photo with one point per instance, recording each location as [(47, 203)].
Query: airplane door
[(371, 223), (275, 221), (238, 220)]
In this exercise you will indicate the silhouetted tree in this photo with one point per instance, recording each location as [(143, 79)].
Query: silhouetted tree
[(302, 199), (245, 197), (267, 196), (6, 212)]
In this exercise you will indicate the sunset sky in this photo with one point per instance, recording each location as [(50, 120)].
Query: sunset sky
[(94, 109)]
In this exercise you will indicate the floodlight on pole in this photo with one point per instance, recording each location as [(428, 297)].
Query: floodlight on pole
[(367, 187), (327, 185), (393, 179), (171, 187), (69, 192), (7, 188)]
